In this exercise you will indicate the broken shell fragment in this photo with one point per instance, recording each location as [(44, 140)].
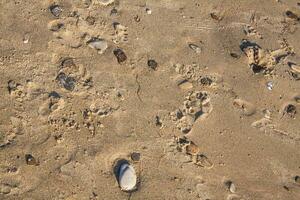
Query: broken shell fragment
[(294, 67), (127, 177), (99, 44), (195, 48)]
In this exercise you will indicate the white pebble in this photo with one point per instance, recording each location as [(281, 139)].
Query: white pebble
[(127, 177)]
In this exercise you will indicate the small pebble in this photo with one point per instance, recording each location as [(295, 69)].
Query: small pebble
[(137, 18), (54, 95), (234, 55), (290, 109), (135, 156), (26, 39), (152, 64), (256, 68), (30, 160), (297, 179), (11, 86), (232, 188), (270, 85), (148, 11), (113, 12), (120, 55), (55, 10), (291, 15), (67, 82)]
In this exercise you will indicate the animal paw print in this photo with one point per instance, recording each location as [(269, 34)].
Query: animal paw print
[(251, 31), (196, 105), (190, 148), (73, 77), (120, 34), (263, 60)]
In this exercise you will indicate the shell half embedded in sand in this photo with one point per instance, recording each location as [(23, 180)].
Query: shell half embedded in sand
[(127, 177), (99, 44), (105, 2)]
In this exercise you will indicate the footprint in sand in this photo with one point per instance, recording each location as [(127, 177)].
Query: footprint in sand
[(120, 34), (52, 103), (73, 77), (263, 60), (251, 31), (234, 197), (190, 148), (244, 107), (196, 105)]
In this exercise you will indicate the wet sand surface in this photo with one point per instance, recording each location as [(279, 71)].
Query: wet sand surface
[(202, 98)]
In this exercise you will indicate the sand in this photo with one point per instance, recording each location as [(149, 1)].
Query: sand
[(202, 98)]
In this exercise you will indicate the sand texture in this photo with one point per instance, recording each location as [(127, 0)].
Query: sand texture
[(200, 97)]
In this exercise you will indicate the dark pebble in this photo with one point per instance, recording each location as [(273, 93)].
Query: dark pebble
[(291, 15), (11, 86), (234, 55), (290, 109), (113, 12), (67, 82), (55, 10), (152, 64), (137, 18), (256, 68), (67, 62), (135, 156), (297, 179), (120, 55), (30, 160), (54, 95)]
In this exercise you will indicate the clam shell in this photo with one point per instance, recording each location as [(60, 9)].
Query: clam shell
[(127, 177)]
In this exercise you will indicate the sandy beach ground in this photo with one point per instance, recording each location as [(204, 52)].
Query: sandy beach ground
[(201, 97)]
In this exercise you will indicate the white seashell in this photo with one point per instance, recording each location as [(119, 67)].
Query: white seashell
[(98, 44), (295, 68), (127, 177), (105, 2)]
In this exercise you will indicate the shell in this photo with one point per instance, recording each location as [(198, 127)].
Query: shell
[(127, 177), (295, 68), (105, 2), (99, 44), (195, 48)]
